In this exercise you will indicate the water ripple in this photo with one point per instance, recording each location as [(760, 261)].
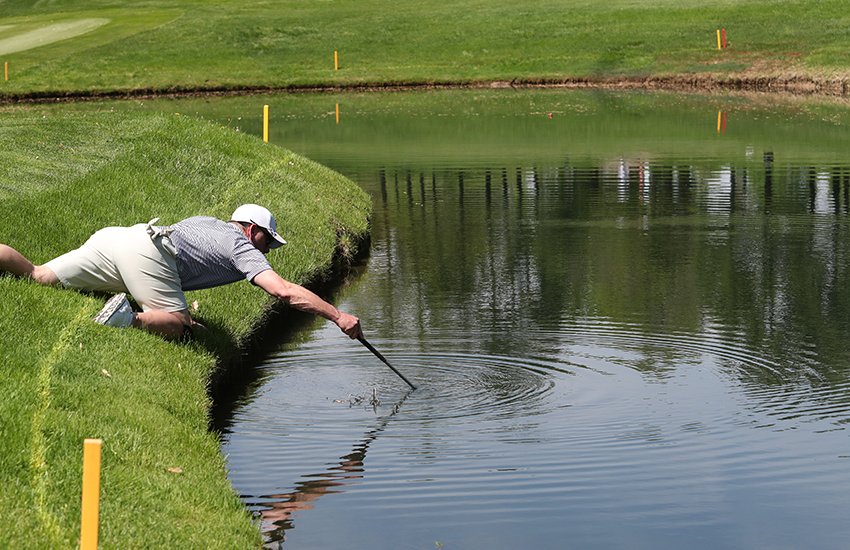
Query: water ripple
[(569, 430), (463, 385), (451, 386)]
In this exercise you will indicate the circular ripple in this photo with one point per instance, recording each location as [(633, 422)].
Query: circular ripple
[(449, 385), (457, 386)]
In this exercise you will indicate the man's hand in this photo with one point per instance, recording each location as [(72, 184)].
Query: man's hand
[(350, 325)]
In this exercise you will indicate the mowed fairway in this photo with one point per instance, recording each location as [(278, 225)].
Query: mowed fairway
[(44, 35), (173, 46)]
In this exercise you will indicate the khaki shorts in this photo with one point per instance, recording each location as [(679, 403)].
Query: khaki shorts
[(136, 260)]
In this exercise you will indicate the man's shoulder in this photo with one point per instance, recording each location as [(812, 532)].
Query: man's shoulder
[(204, 223), (195, 220)]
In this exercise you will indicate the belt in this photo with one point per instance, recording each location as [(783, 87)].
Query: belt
[(157, 231)]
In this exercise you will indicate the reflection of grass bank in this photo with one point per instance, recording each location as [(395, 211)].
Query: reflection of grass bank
[(64, 378), (451, 126), (278, 44)]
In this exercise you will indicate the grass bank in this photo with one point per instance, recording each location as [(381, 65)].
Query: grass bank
[(166, 46), (65, 378)]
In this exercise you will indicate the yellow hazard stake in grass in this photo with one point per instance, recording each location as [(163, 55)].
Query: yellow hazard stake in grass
[(91, 494), (266, 123)]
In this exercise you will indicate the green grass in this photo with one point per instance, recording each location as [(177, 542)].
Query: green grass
[(159, 45), (61, 178)]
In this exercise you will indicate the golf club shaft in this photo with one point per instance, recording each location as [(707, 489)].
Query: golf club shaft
[(381, 357)]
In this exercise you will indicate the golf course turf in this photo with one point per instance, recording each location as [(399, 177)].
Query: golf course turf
[(65, 378), (126, 48)]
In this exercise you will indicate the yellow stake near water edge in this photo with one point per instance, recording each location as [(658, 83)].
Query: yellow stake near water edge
[(7, 70), (91, 494), (336, 61), (718, 40), (266, 123)]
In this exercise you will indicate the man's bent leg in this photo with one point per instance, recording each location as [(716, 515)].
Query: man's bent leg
[(15, 263), (169, 324)]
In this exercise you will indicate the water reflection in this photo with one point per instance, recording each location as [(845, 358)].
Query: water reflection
[(674, 246), (628, 186), (277, 511), (618, 315)]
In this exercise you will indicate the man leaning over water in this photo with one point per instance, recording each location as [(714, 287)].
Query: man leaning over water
[(157, 264)]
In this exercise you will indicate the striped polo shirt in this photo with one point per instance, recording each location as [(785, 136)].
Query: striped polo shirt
[(211, 252)]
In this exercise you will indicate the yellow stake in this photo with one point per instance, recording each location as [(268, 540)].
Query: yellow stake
[(719, 113), (336, 61), (7, 70), (91, 494), (718, 40), (337, 113), (266, 123)]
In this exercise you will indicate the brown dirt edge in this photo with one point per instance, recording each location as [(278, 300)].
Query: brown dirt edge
[(703, 82)]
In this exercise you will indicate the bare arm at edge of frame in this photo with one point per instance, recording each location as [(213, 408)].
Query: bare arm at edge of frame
[(304, 300)]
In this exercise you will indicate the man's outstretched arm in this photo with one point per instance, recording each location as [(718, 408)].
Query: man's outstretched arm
[(304, 300)]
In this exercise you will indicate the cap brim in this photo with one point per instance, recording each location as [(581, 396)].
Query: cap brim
[(278, 240)]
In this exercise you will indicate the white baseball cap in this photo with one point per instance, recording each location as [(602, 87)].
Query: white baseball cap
[(256, 214)]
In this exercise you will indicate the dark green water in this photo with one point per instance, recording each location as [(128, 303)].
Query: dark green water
[(628, 315)]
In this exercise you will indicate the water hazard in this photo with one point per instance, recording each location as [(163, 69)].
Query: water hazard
[(627, 315)]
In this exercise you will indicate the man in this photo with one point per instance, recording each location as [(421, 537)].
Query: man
[(157, 264)]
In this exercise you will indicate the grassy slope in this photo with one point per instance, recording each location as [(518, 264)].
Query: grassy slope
[(228, 44), (61, 178)]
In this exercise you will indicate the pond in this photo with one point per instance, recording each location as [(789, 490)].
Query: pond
[(627, 315)]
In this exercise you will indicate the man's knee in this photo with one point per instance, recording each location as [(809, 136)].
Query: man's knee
[(184, 316), (170, 324)]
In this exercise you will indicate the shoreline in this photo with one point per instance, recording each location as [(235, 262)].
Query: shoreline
[(233, 374), (793, 84)]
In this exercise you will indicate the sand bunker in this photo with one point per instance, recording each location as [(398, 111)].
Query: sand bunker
[(49, 34)]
